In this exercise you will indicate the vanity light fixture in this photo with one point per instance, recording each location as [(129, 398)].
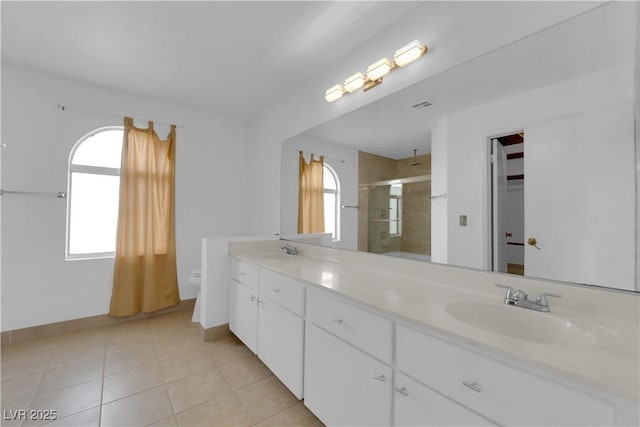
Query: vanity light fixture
[(376, 71), (334, 93), (354, 82), (409, 53), (379, 69)]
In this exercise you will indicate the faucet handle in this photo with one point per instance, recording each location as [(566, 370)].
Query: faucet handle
[(541, 300), (510, 292)]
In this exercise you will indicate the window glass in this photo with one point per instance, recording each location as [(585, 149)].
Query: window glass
[(94, 193), (331, 202), (329, 180), (94, 213), (103, 149)]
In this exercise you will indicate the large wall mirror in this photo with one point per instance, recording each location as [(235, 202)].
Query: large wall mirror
[(521, 161)]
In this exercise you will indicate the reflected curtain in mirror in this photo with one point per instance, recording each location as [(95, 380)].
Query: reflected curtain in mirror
[(311, 195), (145, 275)]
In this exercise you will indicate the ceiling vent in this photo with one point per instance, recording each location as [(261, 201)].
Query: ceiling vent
[(421, 105)]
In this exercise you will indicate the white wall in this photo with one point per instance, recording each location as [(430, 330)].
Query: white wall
[(467, 145), (344, 161), (454, 31), (38, 285)]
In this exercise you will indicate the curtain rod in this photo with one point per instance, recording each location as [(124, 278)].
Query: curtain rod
[(326, 157), (102, 113)]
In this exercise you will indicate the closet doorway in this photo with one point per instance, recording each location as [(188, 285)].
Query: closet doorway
[(507, 202)]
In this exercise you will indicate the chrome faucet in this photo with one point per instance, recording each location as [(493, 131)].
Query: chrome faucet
[(291, 250), (520, 298)]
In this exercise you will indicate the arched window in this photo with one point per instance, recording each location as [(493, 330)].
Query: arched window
[(93, 189), (331, 202)]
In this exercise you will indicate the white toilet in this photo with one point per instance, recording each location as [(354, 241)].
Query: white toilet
[(195, 278)]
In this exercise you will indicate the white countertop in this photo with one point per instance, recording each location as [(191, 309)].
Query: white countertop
[(610, 362)]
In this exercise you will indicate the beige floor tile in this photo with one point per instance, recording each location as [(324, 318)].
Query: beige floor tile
[(129, 358), (265, 398), (170, 346), (14, 412), (165, 422), (130, 382), (88, 418), (72, 374), (76, 355), (25, 363), (126, 341), (185, 364), (20, 387), (195, 389), (223, 411), (69, 400), (226, 349), (138, 410), (244, 371), (296, 415)]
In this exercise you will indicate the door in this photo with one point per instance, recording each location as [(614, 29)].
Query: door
[(342, 385), (575, 191), (499, 206), (243, 314), (280, 340)]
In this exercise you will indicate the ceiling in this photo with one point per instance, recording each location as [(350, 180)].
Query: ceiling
[(234, 58), (392, 128)]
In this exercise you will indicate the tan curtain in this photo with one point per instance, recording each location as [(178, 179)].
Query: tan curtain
[(145, 275), (311, 196)]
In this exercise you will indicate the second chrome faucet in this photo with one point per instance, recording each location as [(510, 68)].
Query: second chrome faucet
[(520, 298)]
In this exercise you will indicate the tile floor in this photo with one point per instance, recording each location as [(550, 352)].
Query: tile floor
[(155, 371)]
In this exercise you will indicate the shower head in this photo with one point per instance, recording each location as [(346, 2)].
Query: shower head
[(415, 158)]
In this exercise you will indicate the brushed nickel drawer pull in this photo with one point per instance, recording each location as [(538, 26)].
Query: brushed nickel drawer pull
[(403, 391), (380, 378), (338, 321), (473, 386)]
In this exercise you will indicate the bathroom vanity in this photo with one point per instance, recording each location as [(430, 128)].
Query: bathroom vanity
[(373, 340)]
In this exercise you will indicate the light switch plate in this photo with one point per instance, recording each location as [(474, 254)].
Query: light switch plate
[(463, 220)]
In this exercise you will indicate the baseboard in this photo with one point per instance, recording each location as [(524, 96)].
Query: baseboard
[(210, 334), (51, 329)]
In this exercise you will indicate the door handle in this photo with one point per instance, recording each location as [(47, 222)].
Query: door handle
[(533, 242), (380, 378)]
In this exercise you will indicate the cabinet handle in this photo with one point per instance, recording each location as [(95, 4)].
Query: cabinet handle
[(260, 301), (380, 378), (242, 273), (253, 298), (338, 321), (277, 291), (403, 391), (473, 386)]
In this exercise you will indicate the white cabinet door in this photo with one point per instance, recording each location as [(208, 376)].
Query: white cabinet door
[(417, 405), (280, 340), (243, 314), (342, 385)]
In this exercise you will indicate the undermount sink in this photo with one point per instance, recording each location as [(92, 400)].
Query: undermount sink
[(526, 325)]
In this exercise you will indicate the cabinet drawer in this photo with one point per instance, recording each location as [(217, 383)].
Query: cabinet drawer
[(500, 392), (417, 405), (245, 273), (283, 290), (361, 328)]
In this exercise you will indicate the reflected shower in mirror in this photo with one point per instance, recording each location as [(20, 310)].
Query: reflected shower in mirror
[(524, 163)]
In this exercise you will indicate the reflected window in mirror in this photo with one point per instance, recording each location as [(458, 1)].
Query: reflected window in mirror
[(331, 202), (395, 210)]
